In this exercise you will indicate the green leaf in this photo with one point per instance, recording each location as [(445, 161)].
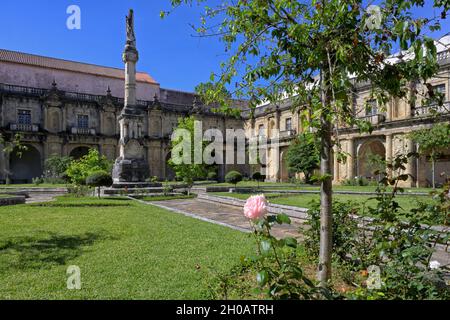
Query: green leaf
[(283, 218), (290, 242)]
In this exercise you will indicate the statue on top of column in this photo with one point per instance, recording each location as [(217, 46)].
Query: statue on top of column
[(131, 38)]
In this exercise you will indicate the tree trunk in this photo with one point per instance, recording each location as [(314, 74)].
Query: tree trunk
[(326, 218), (98, 192), (433, 172)]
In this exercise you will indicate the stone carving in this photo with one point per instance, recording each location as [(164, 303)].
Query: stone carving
[(133, 150), (131, 37), (131, 166)]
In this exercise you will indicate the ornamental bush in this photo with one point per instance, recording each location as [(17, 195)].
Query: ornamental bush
[(79, 170), (212, 175), (387, 256), (233, 177), (99, 179)]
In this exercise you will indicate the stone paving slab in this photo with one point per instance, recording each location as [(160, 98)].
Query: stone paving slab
[(231, 216)]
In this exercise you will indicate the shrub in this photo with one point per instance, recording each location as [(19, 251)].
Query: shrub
[(55, 168), (99, 179), (275, 265), (79, 170), (37, 181), (233, 177), (257, 176), (344, 231), (212, 175), (356, 181), (78, 191), (393, 249)]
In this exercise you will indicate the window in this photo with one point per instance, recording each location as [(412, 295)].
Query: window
[(371, 107), (261, 130), (440, 88), (288, 124), (83, 121), (24, 116)]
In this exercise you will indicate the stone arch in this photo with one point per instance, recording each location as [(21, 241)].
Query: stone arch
[(79, 152), (26, 165), (366, 151)]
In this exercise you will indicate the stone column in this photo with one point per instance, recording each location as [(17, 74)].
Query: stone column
[(336, 177), (389, 147), (389, 150), (389, 109), (351, 158), (411, 165)]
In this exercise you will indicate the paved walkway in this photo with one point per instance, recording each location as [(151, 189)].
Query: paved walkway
[(41, 197), (230, 216)]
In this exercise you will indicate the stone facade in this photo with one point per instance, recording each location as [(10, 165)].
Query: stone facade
[(54, 120), (389, 138), (65, 108)]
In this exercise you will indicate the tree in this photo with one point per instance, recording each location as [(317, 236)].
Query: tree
[(233, 177), (12, 143), (99, 179), (314, 52), (303, 155), (55, 167), (432, 141), (257, 176), (182, 153), (79, 170)]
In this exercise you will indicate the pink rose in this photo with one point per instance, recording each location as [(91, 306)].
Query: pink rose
[(255, 207)]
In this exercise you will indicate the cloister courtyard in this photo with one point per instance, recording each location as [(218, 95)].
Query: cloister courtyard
[(154, 246), (300, 152)]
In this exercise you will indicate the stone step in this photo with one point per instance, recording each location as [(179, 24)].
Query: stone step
[(117, 191), (123, 185)]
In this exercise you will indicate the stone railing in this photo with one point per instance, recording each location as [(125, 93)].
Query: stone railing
[(287, 134), (441, 56), (69, 95), (428, 110), (374, 119), (83, 131), (22, 90), (24, 127)]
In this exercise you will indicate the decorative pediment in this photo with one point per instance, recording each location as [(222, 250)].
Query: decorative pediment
[(54, 96)]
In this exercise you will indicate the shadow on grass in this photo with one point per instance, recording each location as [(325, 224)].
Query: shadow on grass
[(47, 250)]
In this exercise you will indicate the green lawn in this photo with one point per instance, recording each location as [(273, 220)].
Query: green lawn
[(32, 185), (283, 185), (125, 250), (304, 200)]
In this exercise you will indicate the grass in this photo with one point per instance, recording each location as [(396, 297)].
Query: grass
[(125, 250), (32, 185), (292, 186), (6, 195), (304, 200)]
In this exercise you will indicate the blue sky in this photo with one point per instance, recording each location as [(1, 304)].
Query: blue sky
[(168, 51)]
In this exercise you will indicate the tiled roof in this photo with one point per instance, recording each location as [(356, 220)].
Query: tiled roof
[(59, 64)]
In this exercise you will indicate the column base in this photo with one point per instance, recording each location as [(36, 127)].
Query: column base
[(130, 170)]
